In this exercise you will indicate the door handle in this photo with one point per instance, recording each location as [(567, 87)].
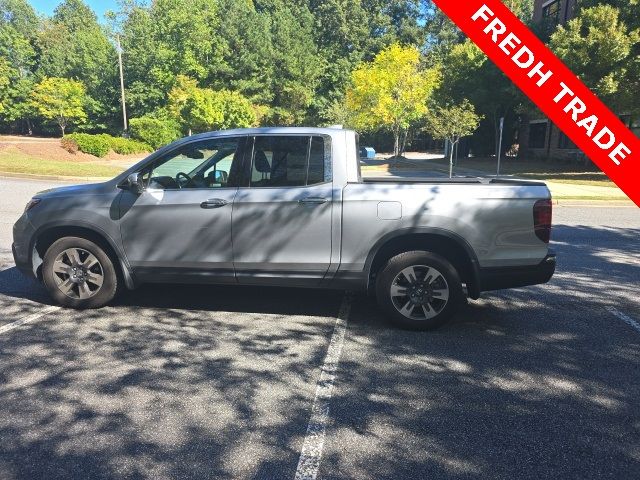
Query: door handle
[(313, 200), (213, 203)]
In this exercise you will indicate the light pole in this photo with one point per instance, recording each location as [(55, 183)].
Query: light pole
[(500, 145), (124, 106)]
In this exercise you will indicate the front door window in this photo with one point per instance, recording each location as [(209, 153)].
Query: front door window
[(203, 164)]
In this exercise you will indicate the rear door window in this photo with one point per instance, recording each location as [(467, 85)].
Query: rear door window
[(289, 161)]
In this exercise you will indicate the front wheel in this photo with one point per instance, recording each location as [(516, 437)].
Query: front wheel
[(77, 273), (419, 290)]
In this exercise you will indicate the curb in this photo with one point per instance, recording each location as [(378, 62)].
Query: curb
[(33, 176)]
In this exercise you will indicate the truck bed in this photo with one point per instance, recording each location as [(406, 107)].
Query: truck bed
[(455, 180)]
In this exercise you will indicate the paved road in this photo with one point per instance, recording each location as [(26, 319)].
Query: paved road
[(211, 382)]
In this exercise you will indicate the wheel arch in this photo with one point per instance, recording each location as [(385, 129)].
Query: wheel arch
[(49, 233), (443, 242)]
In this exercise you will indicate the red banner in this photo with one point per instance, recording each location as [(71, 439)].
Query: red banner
[(548, 82)]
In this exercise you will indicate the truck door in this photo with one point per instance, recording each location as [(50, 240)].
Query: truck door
[(181, 224), (281, 227)]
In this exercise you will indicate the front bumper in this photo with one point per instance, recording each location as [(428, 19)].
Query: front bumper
[(21, 264), (514, 277), (21, 248)]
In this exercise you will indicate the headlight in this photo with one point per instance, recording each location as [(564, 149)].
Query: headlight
[(32, 203)]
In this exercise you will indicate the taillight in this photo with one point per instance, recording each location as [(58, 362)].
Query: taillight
[(542, 219)]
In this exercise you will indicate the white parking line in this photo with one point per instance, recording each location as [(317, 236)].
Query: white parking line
[(27, 319), (311, 454), (625, 318)]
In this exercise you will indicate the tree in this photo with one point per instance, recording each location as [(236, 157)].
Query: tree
[(237, 111), (203, 109), (18, 27), (603, 51), (341, 32), (451, 123), (157, 129), (468, 73), (4, 82), (60, 99), (182, 102), (247, 66), (391, 92), (165, 39), (393, 21), (72, 44), (296, 64)]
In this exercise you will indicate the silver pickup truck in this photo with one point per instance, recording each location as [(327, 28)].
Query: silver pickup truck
[(287, 207)]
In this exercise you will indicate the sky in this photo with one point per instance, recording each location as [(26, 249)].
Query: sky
[(99, 6)]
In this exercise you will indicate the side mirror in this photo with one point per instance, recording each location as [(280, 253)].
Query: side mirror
[(133, 183), (221, 176)]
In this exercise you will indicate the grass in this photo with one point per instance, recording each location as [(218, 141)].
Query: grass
[(591, 197), (596, 180), (17, 162)]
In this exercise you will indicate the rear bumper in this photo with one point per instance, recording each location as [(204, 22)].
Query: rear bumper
[(513, 277)]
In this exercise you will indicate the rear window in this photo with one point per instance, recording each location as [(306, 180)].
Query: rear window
[(290, 161)]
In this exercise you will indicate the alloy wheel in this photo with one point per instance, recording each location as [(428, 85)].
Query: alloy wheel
[(419, 292), (78, 273)]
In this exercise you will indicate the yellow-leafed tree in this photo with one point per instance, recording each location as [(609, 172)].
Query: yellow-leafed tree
[(391, 92), (60, 99)]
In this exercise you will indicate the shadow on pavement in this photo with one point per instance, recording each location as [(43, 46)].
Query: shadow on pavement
[(538, 382), (510, 389), (217, 382), (173, 382), (235, 298)]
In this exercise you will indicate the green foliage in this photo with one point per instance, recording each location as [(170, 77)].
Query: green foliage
[(126, 146), (5, 81), (211, 64), (296, 64), (99, 145), (247, 51), (238, 112), (72, 44), (603, 51), (60, 99), (18, 25), (167, 39), (154, 130), (391, 92), (201, 109), (95, 145), (468, 73), (452, 122)]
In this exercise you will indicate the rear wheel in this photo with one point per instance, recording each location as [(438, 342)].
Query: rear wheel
[(419, 290), (79, 274)]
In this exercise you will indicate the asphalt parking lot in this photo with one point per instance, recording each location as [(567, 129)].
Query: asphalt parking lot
[(220, 382)]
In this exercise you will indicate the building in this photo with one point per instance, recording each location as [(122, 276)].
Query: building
[(553, 11), (539, 138)]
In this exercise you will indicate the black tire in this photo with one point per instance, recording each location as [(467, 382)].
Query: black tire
[(423, 290), (100, 295)]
